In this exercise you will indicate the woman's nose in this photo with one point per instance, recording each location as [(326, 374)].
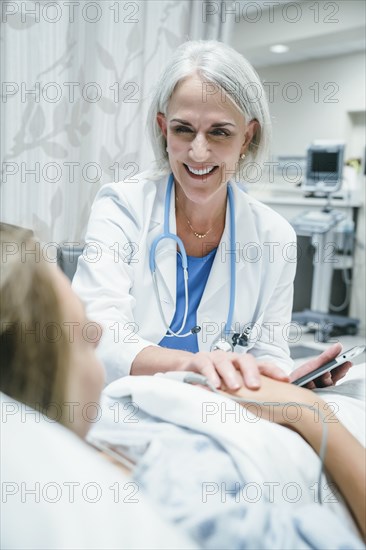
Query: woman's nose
[(199, 151)]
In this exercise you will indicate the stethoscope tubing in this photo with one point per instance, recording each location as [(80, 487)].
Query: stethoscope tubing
[(168, 235)]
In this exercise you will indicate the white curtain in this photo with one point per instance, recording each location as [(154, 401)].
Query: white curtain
[(77, 78)]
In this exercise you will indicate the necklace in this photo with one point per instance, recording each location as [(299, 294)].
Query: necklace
[(195, 233), (198, 235)]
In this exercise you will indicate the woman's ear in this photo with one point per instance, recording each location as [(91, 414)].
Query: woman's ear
[(161, 120), (250, 132)]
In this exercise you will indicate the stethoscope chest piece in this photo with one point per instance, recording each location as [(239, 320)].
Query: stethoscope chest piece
[(222, 345)]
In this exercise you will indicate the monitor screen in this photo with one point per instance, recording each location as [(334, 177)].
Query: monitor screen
[(322, 161), (324, 167)]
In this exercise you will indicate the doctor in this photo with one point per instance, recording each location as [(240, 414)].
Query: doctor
[(189, 272)]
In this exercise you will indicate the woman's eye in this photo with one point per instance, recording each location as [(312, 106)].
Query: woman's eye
[(219, 132), (185, 130), (182, 129)]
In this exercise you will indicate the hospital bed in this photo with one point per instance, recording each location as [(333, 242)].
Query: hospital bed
[(225, 478)]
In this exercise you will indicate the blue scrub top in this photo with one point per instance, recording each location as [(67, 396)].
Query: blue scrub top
[(198, 272)]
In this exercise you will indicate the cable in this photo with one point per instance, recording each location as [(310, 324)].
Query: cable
[(170, 333), (195, 378), (348, 284), (347, 245)]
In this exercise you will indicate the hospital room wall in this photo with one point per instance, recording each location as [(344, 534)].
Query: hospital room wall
[(326, 90), (296, 124)]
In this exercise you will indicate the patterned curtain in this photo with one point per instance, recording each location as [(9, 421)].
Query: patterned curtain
[(76, 84)]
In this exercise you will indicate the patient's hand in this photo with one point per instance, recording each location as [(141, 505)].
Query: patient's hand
[(283, 394), (342, 447), (327, 379)]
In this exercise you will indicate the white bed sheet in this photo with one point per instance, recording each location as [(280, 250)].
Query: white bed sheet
[(267, 453)]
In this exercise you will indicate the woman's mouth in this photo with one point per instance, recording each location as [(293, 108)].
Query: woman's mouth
[(200, 174)]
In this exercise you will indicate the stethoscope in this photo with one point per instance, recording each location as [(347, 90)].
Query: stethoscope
[(224, 342)]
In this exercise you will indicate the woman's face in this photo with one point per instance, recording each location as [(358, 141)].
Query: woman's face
[(204, 131), (85, 374)]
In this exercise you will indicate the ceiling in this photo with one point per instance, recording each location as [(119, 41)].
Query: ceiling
[(310, 29)]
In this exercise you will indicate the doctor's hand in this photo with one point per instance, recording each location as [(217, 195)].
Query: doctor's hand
[(232, 370), (327, 379)]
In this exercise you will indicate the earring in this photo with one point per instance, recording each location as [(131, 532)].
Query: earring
[(166, 149), (243, 156)]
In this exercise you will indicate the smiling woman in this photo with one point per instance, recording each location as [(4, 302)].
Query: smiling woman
[(188, 295), (207, 135), (224, 74)]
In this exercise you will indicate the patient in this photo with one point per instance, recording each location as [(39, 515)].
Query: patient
[(48, 357)]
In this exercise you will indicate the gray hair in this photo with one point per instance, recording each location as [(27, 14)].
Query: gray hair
[(224, 67)]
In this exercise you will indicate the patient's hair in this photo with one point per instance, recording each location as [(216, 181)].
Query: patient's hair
[(34, 351), (220, 65)]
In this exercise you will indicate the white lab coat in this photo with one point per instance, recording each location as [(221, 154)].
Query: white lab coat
[(113, 277)]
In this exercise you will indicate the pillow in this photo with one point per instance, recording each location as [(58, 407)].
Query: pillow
[(57, 492)]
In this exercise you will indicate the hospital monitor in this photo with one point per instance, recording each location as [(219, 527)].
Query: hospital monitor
[(324, 168)]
